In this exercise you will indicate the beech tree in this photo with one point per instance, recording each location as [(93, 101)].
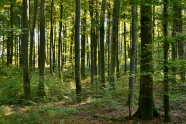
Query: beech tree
[(146, 108), (41, 86), (26, 79), (77, 49)]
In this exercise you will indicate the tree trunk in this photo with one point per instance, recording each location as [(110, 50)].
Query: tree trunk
[(92, 32), (102, 39), (108, 42), (32, 36), (83, 40), (125, 48), (133, 56), (166, 48), (24, 45), (60, 41), (77, 49), (113, 43), (146, 107), (51, 36), (41, 86)]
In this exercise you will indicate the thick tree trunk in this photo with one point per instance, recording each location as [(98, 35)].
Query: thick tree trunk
[(146, 104)]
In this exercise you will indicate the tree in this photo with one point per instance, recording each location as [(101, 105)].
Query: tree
[(26, 79), (146, 108), (113, 42), (60, 40), (166, 48), (133, 55), (83, 40), (51, 35), (32, 36), (77, 49), (102, 38), (41, 86)]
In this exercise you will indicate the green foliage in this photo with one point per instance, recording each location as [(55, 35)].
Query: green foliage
[(58, 111), (11, 85)]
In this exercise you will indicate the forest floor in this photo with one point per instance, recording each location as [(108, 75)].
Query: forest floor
[(96, 107), (90, 111)]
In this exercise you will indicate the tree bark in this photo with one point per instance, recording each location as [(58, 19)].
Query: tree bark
[(41, 86), (166, 48), (77, 49), (32, 36), (102, 39), (24, 46), (133, 56), (146, 107), (113, 43)]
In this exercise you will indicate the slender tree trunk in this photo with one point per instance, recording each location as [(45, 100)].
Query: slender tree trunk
[(51, 35), (11, 32), (133, 56), (32, 36), (60, 41), (166, 48), (77, 48), (102, 39), (117, 50), (92, 31), (83, 40), (108, 43), (24, 45), (125, 48), (113, 43), (41, 86)]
